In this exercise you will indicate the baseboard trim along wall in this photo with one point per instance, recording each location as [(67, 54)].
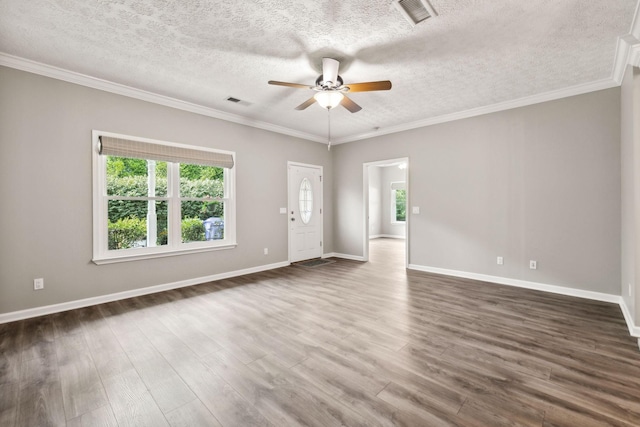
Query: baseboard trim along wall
[(634, 331), (343, 256), (57, 308), (65, 306)]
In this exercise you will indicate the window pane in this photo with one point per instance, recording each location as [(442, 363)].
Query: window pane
[(401, 205), (129, 222), (201, 181), (305, 201), (202, 221), (130, 177)]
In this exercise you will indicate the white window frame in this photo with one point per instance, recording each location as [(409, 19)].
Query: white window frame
[(175, 246), (394, 219)]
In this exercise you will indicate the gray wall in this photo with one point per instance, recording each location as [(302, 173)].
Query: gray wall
[(540, 182), (630, 155), (46, 199), (375, 201), (535, 183)]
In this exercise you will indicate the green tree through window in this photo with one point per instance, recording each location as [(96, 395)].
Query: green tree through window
[(401, 205)]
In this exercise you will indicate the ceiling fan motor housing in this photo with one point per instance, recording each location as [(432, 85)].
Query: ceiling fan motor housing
[(320, 83)]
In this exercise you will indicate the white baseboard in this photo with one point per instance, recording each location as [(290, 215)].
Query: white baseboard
[(387, 236), (634, 331), (343, 256), (56, 308)]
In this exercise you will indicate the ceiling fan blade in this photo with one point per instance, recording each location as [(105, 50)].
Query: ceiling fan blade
[(306, 103), (350, 105), (369, 86), (296, 85), (330, 71)]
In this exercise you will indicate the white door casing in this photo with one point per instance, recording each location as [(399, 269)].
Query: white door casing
[(305, 211)]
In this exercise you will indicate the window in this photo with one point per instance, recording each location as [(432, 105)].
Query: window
[(154, 198), (398, 202), (305, 200)]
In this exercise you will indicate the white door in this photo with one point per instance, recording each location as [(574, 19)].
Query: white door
[(305, 212)]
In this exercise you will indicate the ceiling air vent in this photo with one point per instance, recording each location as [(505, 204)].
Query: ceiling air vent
[(238, 101), (414, 11)]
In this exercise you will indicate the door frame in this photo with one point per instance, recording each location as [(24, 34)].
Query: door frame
[(289, 201), (365, 204)]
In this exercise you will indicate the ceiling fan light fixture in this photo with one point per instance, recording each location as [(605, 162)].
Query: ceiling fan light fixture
[(328, 98)]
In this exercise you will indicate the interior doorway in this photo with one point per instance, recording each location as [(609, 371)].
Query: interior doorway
[(386, 203)]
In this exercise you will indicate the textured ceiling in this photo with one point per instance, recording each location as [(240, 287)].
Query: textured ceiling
[(473, 54)]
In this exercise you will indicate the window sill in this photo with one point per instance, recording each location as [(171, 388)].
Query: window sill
[(112, 259)]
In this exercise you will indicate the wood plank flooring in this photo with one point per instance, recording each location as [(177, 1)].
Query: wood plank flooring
[(344, 344)]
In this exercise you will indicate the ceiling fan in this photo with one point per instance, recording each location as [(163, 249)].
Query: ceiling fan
[(330, 88)]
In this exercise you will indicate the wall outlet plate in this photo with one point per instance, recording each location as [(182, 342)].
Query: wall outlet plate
[(415, 209), (283, 210), (500, 260), (38, 284), (533, 264)]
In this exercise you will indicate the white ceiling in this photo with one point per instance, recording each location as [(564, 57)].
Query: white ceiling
[(475, 53)]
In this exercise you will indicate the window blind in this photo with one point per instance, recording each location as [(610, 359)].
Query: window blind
[(120, 147), (398, 185)]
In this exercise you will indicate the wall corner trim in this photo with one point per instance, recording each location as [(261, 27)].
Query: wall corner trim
[(86, 302), (634, 331)]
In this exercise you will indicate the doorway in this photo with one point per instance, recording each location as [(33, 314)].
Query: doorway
[(386, 203), (304, 211)]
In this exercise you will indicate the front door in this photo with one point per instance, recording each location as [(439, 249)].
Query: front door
[(305, 212)]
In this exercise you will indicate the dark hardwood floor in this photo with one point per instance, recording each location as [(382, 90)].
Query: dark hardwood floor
[(346, 343)]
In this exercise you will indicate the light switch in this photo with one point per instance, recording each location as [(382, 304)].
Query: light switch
[(283, 210), (415, 209)]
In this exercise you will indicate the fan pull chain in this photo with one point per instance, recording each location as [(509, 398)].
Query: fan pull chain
[(329, 129)]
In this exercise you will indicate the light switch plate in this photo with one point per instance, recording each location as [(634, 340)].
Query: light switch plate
[(415, 209), (283, 210)]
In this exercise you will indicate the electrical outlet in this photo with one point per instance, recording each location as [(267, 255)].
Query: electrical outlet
[(266, 251), (500, 260), (38, 284), (533, 264)]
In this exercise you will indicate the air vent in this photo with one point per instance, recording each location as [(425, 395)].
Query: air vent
[(415, 11), (238, 101)]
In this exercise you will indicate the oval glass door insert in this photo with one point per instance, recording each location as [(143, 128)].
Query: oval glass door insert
[(305, 200)]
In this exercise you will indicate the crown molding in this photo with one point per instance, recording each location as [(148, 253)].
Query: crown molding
[(628, 51), (493, 108), (131, 92)]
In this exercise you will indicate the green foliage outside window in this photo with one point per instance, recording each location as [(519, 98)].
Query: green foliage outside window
[(401, 205), (127, 219), (192, 230), (125, 232)]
